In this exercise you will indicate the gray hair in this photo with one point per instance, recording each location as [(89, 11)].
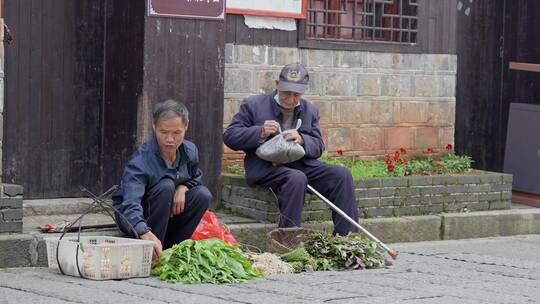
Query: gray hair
[(169, 108)]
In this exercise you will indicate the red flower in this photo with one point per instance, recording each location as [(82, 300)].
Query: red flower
[(439, 165), (449, 147), (429, 150), (403, 150), (388, 160), (390, 168), (396, 155), (340, 152)]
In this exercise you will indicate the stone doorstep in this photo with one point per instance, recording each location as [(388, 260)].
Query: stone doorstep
[(28, 249), (76, 205)]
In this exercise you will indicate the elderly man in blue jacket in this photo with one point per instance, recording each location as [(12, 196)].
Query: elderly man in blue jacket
[(161, 197), (259, 118)]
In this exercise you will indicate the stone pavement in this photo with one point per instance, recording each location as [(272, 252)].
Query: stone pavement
[(489, 270)]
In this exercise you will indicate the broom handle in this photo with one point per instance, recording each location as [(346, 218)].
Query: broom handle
[(348, 218)]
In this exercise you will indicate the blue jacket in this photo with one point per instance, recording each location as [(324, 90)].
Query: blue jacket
[(244, 132), (144, 170)]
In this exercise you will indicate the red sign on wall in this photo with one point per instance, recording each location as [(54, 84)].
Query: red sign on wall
[(203, 9)]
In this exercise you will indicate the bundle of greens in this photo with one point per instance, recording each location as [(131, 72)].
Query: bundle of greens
[(204, 261), (350, 252), (325, 252)]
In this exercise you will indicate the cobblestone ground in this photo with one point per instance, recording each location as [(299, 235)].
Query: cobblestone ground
[(491, 270)]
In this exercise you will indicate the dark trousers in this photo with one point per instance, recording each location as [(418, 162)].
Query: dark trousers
[(334, 182), (157, 210)]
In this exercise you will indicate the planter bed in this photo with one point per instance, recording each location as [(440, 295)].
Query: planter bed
[(384, 197)]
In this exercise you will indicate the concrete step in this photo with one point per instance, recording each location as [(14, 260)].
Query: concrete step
[(28, 249), (76, 205)]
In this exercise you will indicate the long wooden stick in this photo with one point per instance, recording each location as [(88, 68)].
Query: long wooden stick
[(391, 252)]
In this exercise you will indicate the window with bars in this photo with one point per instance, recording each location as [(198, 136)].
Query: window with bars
[(382, 21)]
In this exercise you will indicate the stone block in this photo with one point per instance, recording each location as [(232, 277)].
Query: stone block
[(426, 138), (327, 109), (15, 202), (457, 189), (394, 182), (474, 188), (441, 113), (389, 201), (430, 190), (249, 54), (492, 196), (368, 85), (444, 180), (436, 62), (431, 209), (238, 81), (447, 86), (501, 187), (368, 202), (15, 250), (229, 53), (491, 223), (412, 62), (446, 135), (507, 178), (425, 86), (348, 59), (368, 139), (404, 229), (420, 180), (7, 215), (387, 192), (506, 195), (12, 190), (382, 112), (339, 139), (468, 179), (406, 210), (410, 112), (337, 84), (230, 108), (368, 183), (397, 137), (318, 58), (314, 86), (478, 206), (378, 212), (397, 85), (354, 112), (282, 56), (12, 226), (383, 60), (494, 205), (265, 81)]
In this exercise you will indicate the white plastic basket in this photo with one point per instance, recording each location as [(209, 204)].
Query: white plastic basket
[(100, 257)]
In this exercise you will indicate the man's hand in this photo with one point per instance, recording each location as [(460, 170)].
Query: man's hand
[(158, 248), (294, 136), (269, 127), (179, 200)]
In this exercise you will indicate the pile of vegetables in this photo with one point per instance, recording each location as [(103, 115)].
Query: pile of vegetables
[(204, 261), (327, 252)]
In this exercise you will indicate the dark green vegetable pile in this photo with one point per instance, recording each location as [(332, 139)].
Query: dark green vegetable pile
[(204, 261), (326, 252)]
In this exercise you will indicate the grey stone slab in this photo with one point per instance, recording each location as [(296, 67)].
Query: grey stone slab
[(12, 190), (56, 206), (16, 296), (11, 202)]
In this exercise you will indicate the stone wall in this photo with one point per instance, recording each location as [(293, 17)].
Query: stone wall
[(1, 93), (11, 208), (370, 102), (392, 196)]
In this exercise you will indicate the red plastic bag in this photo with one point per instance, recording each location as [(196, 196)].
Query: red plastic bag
[(209, 227)]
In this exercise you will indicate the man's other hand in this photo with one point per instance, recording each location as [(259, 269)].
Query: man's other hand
[(179, 200), (158, 248), (269, 127), (294, 136)]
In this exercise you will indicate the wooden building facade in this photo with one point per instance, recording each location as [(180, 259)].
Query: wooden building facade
[(81, 77)]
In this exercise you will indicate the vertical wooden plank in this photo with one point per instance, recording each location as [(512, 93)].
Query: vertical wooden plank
[(34, 160), (12, 167), (230, 28), (479, 83), (180, 62), (122, 85)]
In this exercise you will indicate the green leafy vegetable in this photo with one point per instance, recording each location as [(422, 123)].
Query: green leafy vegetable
[(204, 261), (338, 252)]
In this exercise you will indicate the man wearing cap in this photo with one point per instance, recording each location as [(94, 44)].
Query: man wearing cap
[(259, 118)]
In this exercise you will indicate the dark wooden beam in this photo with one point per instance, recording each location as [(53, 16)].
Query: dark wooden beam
[(522, 66)]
